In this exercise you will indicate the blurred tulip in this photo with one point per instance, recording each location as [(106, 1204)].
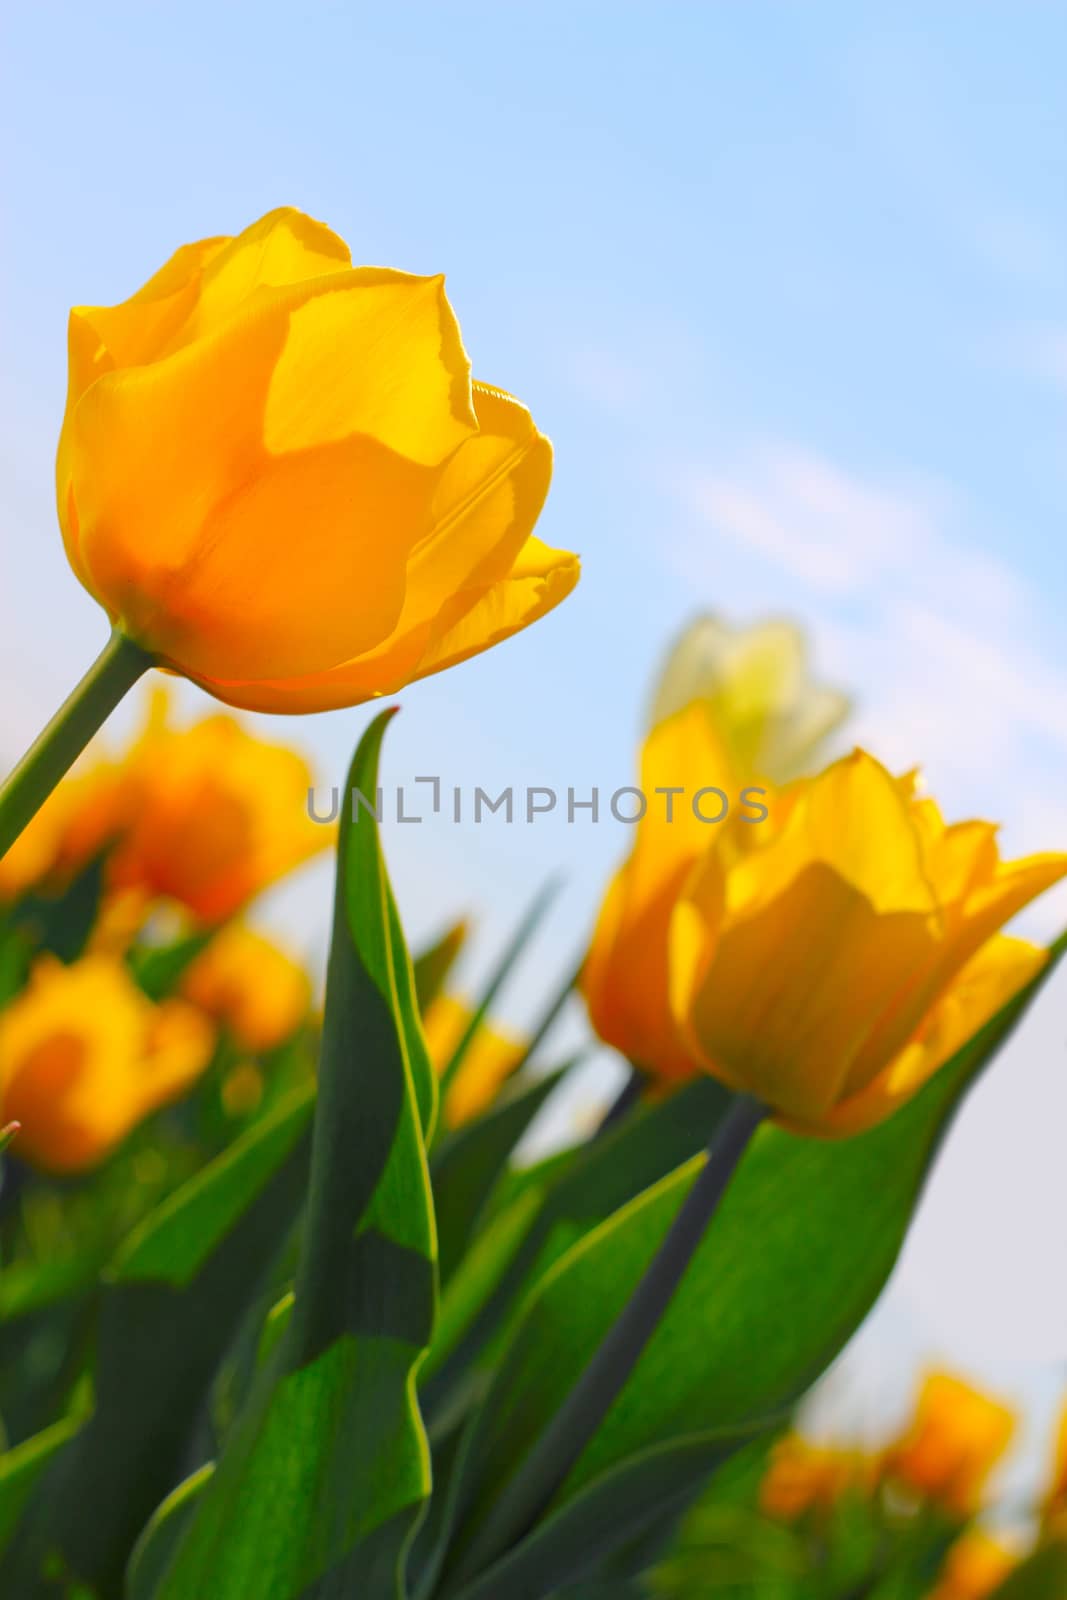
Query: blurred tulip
[(755, 682), (245, 983), (975, 1568), (956, 1438), (76, 822), (85, 1056), (212, 815), (491, 1057), (276, 476), (803, 1477)]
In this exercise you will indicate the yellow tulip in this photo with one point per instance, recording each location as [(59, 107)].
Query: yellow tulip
[(758, 690), (85, 1056), (826, 960), (975, 1568), (491, 1058), (79, 819), (260, 994), (956, 1438), (804, 1477), (277, 477)]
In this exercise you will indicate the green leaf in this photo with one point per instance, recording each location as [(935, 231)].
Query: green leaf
[(158, 969), (618, 1507), (170, 1303), (797, 1254), (22, 1467), (468, 1162), (324, 1474), (1042, 1576), (575, 1191), (499, 976), (433, 965)]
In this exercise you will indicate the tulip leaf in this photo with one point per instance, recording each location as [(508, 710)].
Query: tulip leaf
[(171, 1300), (468, 1162), (575, 1191), (23, 1466), (798, 1252), (431, 967), (618, 1507), (325, 1470), (498, 977)]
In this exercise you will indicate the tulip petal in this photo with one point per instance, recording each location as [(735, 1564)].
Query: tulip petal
[(854, 820), (1001, 968), (475, 568), (786, 1004)]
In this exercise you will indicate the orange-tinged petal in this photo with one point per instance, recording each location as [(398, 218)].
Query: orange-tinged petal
[(786, 1003), (626, 979), (483, 509), (955, 1440), (974, 1568), (991, 978)]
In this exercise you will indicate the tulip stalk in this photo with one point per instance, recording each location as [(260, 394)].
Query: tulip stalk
[(114, 672), (588, 1403)]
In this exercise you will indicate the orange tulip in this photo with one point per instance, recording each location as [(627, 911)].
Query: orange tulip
[(277, 477), (244, 982), (955, 1440), (803, 1477), (975, 1568)]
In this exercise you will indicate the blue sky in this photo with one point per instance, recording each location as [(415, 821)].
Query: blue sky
[(786, 285)]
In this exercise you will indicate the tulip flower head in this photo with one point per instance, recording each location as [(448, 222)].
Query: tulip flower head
[(277, 477), (85, 1056), (826, 960), (756, 685), (956, 1438), (491, 1057), (974, 1568), (250, 986), (803, 1477)]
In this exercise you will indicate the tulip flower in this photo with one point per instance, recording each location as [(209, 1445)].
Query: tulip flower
[(213, 814), (277, 477), (249, 986), (755, 682), (490, 1059), (956, 1438), (974, 1568), (825, 961), (205, 816), (804, 1477), (85, 1057)]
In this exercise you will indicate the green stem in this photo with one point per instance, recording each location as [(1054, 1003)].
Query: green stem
[(550, 1461), (115, 670)]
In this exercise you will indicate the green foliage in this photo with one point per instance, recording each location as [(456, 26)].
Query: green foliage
[(237, 1384)]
